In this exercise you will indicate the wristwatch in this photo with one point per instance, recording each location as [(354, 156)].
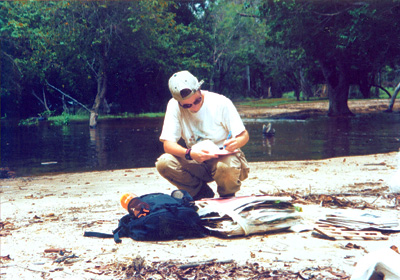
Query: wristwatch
[(187, 154)]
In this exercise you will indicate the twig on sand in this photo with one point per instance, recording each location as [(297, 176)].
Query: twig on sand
[(195, 264)]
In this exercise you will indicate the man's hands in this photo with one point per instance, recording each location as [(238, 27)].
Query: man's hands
[(202, 155), (199, 154), (231, 144), (237, 142)]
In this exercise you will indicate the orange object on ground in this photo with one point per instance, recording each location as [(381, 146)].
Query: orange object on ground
[(126, 198), (134, 205)]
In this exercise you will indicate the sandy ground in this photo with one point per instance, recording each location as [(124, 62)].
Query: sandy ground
[(45, 212), (304, 109), (52, 212)]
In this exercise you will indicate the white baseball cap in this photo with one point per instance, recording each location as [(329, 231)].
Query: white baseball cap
[(183, 80)]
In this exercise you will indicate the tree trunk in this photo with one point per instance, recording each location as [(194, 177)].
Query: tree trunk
[(248, 79), (101, 91), (338, 98), (211, 83), (305, 86), (65, 107), (269, 92), (297, 93), (365, 86), (393, 99), (106, 107), (338, 88), (379, 83)]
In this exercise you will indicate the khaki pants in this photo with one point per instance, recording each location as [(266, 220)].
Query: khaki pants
[(227, 171)]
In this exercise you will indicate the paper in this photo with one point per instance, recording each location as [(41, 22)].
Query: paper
[(247, 214), (211, 147), (361, 220)]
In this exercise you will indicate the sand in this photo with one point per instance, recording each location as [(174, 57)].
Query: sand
[(53, 211)]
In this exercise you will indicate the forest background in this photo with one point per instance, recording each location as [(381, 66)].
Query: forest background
[(60, 57)]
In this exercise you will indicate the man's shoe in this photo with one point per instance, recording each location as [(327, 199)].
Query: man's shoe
[(184, 196), (205, 192), (227, 195)]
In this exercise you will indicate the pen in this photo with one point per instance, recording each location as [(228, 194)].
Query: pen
[(229, 136)]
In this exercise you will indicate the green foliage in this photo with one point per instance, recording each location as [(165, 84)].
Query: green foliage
[(65, 118), (35, 28), (351, 41), (346, 30), (46, 114), (137, 45), (29, 122), (150, 115)]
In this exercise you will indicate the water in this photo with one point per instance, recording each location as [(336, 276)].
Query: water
[(133, 143), (327, 137)]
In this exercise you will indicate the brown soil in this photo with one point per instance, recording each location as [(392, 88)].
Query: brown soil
[(304, 109)]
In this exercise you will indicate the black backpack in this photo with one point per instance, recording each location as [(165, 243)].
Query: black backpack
[(171, 217)]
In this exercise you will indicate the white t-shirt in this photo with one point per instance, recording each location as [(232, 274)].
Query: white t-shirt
[(216, 118)]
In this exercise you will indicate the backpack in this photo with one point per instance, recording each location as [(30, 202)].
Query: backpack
[(170, 217)]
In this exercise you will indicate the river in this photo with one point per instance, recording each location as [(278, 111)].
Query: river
[(133, 143)]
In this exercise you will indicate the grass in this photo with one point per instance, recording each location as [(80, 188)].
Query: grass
[(287, 98), (266, 102), (132, 115), (65, 119)]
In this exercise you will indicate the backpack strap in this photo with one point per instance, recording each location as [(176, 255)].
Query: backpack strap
[(97, 234), (115, 235)]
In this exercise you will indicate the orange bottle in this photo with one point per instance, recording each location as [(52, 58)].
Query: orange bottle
[(134, 205)]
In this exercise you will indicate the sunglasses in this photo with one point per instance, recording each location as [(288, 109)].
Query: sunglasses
[(187, 106)]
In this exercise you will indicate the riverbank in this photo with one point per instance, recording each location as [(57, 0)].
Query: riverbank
[(307, 109), (44, 213)]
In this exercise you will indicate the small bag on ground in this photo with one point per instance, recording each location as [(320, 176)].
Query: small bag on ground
[(170, 217)]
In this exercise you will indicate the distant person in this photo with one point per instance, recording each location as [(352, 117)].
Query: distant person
[(196, 115)]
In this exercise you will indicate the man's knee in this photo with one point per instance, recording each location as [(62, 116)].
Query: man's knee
[(164, 163), (231, 164), (227, 171)]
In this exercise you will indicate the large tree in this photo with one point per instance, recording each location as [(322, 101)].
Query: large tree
[(351, 40), (119, 50), (32, 37)]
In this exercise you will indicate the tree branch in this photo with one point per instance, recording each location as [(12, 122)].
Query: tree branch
[(12, 60), (91, 67), (393, 99), (247, 15), (38, 98), (44, 100), (68, 96), (342, 11), (382, 88), (44, 103)]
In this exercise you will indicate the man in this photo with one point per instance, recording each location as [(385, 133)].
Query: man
[(197, 115)]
